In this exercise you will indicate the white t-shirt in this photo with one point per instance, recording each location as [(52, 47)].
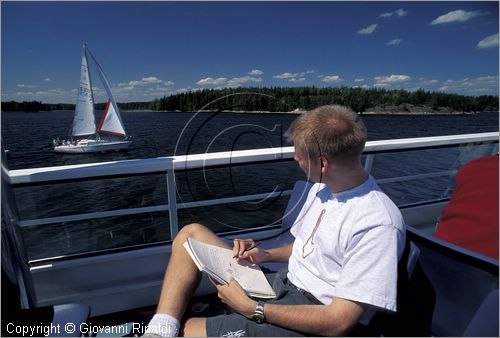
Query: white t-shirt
[(355, 250)]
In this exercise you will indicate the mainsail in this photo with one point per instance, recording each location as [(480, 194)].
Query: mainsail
[(84, 120)]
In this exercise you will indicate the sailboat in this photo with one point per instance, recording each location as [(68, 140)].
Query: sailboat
[(86, 136)]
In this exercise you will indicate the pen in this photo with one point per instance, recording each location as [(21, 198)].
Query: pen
[(254, 245)]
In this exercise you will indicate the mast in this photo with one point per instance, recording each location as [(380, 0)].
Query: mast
[(90, 81)]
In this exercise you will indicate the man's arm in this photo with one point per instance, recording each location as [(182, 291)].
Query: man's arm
[(335, 319), (280, 254), (258, 255)]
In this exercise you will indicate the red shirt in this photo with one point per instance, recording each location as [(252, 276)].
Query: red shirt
[(471, 218)]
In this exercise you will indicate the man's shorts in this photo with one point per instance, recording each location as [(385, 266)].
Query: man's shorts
[(237, 325)]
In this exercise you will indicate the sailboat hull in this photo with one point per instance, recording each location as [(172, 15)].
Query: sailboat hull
[(92, 146)]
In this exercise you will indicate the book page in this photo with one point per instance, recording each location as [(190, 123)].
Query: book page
[(220, 262)]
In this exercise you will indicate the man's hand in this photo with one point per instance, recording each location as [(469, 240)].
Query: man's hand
[(255, 255), (233, 295)]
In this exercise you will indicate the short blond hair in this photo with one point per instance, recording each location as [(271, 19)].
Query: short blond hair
[(332, 131)]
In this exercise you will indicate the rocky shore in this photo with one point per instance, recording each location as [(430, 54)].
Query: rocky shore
[(409, 109), (404, 109)]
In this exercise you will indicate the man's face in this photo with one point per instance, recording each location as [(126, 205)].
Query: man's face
[(312, 168)]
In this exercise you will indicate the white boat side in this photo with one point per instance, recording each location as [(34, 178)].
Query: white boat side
[(92, 146), (133, 277)]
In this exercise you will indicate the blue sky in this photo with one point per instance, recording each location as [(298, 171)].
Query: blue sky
[(153, 49)]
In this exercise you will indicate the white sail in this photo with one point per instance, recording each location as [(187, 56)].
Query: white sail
[(111, 121), (84, 120)]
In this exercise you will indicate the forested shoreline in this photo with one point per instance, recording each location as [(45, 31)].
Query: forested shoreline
[(286, 99)]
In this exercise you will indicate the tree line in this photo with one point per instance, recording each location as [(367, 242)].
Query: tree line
[(34, 106), (282, 99), (278, 99)]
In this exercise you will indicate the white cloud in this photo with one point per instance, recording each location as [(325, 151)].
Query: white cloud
[(456, 16), (489, 41), (150, 79), (211, 81), (286, 75), (47, 79), (386, 81), (145, 81), (482, 84), (428, 82), (332, 79), (394, 42), (183, 90), (368, 30), (187, 89), (363, 86), (294, 77), (148, 88), (400, 12), (255, 72), (225, 82), (123, 88), (238, 81), (359, 80), (159, 91)]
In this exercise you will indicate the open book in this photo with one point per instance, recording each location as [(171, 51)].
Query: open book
[(219, 264)]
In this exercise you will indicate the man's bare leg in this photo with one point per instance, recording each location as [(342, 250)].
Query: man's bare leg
[(182, 276)]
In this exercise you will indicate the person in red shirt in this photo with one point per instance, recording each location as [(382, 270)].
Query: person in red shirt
[(470, 219)]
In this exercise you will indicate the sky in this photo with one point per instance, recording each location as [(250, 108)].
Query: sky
[(153, 49)]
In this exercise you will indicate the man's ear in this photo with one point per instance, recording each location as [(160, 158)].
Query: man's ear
[(323, 163)]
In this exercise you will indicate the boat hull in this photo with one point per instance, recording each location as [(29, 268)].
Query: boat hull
[(92, 147)]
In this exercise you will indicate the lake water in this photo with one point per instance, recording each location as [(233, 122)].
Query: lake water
[(28, 137)]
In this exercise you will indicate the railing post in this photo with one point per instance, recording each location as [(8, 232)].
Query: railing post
[(369, 162), (172, 203)]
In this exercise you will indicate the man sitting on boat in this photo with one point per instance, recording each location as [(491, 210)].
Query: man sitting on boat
[(342, 265)]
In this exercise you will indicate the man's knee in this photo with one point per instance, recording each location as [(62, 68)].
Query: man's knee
[(192, 230), (194, 327)]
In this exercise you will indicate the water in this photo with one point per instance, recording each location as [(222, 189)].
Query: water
[(28, 138)]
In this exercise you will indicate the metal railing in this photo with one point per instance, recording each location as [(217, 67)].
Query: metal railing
[(171, 165)]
